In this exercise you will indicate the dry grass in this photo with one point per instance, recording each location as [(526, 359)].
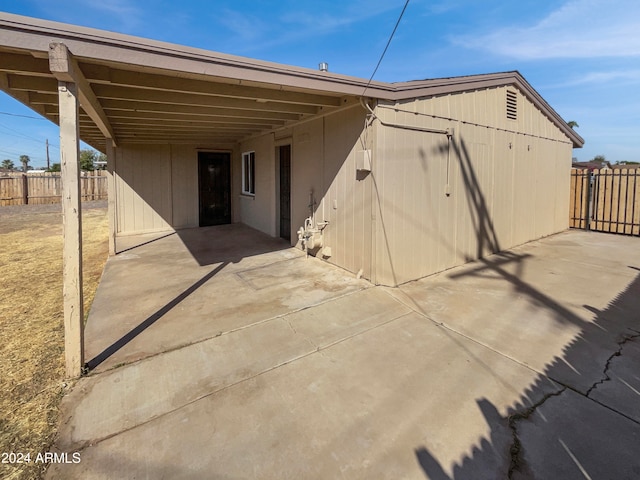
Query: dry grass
[(31, 324)]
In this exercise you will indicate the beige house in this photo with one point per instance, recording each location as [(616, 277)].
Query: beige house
[(392, 181)]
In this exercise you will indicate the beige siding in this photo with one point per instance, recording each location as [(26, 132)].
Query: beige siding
[(156, 188), (323, 160), (184, 183), (143, 189), (346, 203), (508, 182), (307, 158), (258, 211)]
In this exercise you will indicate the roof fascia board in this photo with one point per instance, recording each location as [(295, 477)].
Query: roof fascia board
[(424, 88)]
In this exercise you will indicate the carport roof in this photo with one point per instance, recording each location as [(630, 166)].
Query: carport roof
[(136, 90)]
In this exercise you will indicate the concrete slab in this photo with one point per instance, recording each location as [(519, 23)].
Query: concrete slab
[(532, 302), (100, 409), (361, 408), (198, 284), (270, 365)]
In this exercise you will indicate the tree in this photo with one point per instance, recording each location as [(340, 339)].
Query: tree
[(8, 164), (24, 160), (87, 157), (599, 159), (573, 124), (54, 168)]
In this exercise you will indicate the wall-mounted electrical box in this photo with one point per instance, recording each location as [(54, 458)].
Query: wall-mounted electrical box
[(363, 160)]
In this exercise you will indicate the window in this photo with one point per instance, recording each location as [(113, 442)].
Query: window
[(249, 173), (512, 105)]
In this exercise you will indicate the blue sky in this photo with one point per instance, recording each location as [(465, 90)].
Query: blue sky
[(582, 56)]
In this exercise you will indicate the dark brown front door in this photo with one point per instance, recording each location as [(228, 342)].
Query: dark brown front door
[(214, 183), (285, 192)]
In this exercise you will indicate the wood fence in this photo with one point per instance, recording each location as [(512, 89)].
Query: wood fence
[(41, 188), (606, 200)]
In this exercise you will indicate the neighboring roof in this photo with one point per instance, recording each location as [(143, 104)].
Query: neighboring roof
[(625, 166), (591, 165), (147, 91)]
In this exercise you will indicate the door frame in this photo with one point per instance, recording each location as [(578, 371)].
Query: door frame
[(281, 143), (229, 155)]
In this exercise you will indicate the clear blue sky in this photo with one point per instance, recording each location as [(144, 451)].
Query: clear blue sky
[(582, 56)]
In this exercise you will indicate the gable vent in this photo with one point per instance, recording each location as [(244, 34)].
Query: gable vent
[(512, 105)]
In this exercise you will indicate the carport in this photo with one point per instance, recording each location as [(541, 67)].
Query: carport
[(109, 91)]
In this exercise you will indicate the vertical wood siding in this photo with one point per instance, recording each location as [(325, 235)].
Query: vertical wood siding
[(143, 189), (508, 181)]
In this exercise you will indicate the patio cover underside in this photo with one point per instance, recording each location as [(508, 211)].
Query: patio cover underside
[(144, 105)]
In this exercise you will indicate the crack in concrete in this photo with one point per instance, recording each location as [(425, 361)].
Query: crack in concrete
[(607, 366), (516, 447)]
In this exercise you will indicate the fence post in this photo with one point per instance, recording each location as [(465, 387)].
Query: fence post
[(25, 189), (590, 177)]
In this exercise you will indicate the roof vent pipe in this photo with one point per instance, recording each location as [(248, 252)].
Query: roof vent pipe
[(323, 66)]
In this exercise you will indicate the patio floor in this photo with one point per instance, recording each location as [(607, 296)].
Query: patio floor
[(223, 353)]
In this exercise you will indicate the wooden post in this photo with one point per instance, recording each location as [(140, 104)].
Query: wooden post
[(72, 229), (111, 195), (25, 189)]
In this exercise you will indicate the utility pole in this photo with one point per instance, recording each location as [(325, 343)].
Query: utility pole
[(48, 165)]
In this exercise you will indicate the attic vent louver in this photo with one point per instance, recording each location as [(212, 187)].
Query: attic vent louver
[(512, 105)]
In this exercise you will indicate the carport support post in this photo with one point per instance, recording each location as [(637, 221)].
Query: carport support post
[(72, 229), (111, 195)]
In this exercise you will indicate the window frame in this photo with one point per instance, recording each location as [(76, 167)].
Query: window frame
[(249, 173)]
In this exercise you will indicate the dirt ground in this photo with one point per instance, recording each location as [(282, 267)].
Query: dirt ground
[(31, 325)]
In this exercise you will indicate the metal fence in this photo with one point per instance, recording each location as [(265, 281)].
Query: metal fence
[(606, 200), (42, 188)]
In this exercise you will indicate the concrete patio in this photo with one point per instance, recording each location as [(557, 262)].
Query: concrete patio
[(222, 353)]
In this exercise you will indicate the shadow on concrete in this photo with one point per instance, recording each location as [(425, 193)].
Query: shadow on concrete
[(228, 243), (561, 449), (149, 321), (220, 246)]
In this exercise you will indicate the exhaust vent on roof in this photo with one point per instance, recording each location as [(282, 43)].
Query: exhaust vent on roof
[(512, 105), (323, 66)]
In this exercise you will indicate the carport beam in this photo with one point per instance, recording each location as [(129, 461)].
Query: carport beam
[(72, 229)]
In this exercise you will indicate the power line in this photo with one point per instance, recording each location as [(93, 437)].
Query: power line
[(386, 47), (19, 134), (22, 116)]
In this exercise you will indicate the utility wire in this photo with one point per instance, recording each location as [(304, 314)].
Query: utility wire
[(385, 48), (16, 133), (22, 116)]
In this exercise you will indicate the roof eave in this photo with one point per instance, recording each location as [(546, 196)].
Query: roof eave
[(443, 86)]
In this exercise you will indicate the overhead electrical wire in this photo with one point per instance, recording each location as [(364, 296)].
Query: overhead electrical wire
[(16, 133), (386, 48), (22, 116)]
